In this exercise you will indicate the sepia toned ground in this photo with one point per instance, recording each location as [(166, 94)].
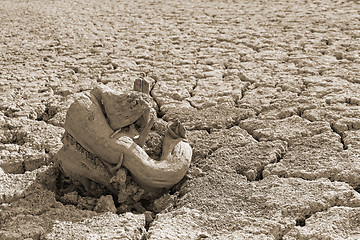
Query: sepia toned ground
[(269, 92)]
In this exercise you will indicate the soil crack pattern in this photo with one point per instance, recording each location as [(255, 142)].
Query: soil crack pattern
[(267, 91)]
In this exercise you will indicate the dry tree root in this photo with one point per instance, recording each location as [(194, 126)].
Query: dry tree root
[(91, 152)]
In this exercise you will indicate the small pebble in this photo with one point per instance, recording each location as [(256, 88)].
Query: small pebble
[(105, 204)]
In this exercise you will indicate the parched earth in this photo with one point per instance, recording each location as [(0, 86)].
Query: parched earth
[(268, 90)]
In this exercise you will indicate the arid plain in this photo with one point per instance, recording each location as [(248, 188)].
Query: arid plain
[(269, 92)]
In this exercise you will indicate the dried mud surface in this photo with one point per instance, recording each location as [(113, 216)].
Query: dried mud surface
[(268, 90)]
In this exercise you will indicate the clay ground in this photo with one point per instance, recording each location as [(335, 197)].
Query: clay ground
[(268, 90)]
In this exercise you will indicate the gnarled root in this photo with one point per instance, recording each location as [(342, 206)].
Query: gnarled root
[(82, 166), (87, 125)]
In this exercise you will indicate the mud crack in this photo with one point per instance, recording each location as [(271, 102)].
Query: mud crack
[(341, 136)]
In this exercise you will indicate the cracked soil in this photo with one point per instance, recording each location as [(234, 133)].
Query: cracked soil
[(269, 92)]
